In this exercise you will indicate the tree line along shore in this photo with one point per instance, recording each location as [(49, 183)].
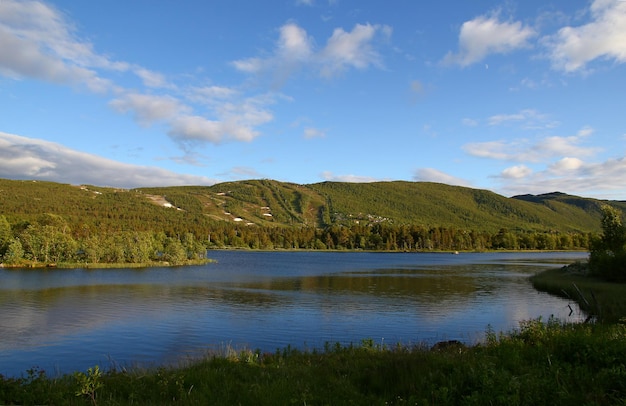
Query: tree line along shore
[(51, 240)]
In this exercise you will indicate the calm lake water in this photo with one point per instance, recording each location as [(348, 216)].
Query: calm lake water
[(68, 320)]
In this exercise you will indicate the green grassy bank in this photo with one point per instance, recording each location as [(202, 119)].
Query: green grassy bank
[(604, 300), (541, 363)]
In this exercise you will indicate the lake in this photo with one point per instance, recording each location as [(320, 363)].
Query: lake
[(69, 320)]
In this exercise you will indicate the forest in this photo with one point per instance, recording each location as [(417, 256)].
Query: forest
[(49, 240), (51, 223)]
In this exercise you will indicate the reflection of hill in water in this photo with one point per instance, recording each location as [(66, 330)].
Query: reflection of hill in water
[(265, 300), (63, 310), (31, 316), (418, 285)]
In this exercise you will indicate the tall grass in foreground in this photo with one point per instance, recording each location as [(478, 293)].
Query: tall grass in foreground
[(541, 363)]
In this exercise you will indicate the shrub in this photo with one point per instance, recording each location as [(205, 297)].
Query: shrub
[(607, 257)]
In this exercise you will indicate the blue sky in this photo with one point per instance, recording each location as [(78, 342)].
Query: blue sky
[(511, 96)]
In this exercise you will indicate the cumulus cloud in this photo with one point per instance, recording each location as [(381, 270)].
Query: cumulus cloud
[(559, 146), (212, 94), (488, 35), (351, 49), (295, 49), (148, 109), (523, 150), (294, 43), (37, 41), (250, 65), (499, 150), (561, 163), (152, 79), (602, 180), (195, 128), (232, 118), (603, 37), (29, 158), (566, 164), (516, 172), (434, 175)]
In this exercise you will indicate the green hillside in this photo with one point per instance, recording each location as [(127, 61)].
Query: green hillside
[(278, 204), (330, 215), (434, 204), (272, 203)]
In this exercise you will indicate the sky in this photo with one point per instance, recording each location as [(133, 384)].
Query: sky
[(516, 97)]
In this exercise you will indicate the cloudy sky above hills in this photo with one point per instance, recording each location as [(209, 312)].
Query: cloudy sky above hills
[(512, 96)]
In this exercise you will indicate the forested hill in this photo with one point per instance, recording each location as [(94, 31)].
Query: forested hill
[(271, 204)]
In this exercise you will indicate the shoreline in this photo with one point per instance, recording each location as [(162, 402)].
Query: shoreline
[(599, 299), (104, 265), (157, 264)]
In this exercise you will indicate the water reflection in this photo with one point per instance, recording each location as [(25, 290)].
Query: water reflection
[(69, 320)]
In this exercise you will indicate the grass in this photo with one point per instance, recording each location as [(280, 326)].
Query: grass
[(538, 364), (604, 300)]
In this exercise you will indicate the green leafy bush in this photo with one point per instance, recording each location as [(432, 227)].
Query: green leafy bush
[(608, 253)]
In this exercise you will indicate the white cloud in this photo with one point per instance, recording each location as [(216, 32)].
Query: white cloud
[(434, 175), (20, 58), (311, 132), (29, 158), (585, 131), (295, 49), (488, 35), (37, 42), (331, 177), (250, 65), (563, 146), (232, 120), (211, 95), (522, 150), (351, 49), (530, 119), (572, 48), (241, 172), (559, 165), (503, 118), (566, 164), (603, 180), (490, 149), (151, 78), (294, 43), (469, 122), (148, 108), (516, 172), (187, 129), (528, 83)]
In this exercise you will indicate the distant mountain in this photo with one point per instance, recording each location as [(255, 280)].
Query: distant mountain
[(270, 203)]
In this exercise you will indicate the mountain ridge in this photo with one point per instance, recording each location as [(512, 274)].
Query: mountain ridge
[(271, 203)]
